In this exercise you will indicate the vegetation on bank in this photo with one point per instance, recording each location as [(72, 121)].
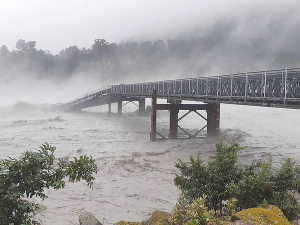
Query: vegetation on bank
[(229, 187), (24, 178)]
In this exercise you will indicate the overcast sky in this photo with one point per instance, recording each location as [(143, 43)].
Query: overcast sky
[(57, 24)]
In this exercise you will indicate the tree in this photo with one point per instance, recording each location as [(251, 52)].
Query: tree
[(197, 179), (222, 179), (100, 48), (4, 50), (70, 59), (24, 178), (26, 46)]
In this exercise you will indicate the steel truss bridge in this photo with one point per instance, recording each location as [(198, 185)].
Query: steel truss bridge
[(275, 88)]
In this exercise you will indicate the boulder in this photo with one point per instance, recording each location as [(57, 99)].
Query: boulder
[(87, 218), (241, 222), (221, 222), (128, 223), (158, 216), (295, 222), (262, 216), (40, 208)]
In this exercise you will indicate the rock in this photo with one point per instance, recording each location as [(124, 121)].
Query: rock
[(221, 222), (87, 218), (158, 216), (127, 223), (40, 208), (295, 222), (261, 216), (241, 222)]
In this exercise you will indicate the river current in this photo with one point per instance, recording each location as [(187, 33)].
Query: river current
[(135, 175)]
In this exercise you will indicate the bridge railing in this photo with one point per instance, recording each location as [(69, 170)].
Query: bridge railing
[(274, 85), (91, 95)]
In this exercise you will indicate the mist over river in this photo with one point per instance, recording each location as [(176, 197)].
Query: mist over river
[(135, 175)]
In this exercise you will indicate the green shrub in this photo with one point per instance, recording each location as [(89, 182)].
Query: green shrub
[(231, 207), (179, 212), (213, 179), (253, 185), (256, 185), (195, 213), (198, 213), (28, 176)]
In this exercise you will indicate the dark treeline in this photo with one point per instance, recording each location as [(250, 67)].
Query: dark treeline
[(224, 48), (102, 57)]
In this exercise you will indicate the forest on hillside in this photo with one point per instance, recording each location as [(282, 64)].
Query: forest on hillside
[(216, 51)]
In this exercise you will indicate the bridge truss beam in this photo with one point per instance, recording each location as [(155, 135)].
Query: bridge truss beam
[(213, 118), (141, 105)]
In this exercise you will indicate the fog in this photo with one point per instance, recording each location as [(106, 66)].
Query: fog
[(55, 24), (145, 40), (54, 51)]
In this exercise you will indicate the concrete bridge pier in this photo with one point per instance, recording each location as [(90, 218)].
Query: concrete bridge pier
[(142, 107), (174, 123), (120, 107), (213, 119), (153, 116), (109, 109), (174, 111)]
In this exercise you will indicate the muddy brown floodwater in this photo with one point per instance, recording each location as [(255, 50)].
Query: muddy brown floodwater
[(135, 175)]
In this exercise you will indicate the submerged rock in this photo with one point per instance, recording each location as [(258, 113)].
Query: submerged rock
[(261, 216), (40, 208), (87, 218)]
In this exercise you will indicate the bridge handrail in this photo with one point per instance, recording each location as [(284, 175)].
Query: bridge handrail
[(104, 88), (280, 85), (235, 75)]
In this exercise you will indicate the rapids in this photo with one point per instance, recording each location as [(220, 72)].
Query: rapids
[(135, 175)]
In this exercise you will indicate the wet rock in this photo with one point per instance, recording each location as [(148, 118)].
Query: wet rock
[(158, 216), (40, 208), (128, 223), (262, 216), (87, 218), (221, 222), (241, 222)]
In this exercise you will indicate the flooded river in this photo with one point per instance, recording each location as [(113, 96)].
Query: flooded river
[(135, 175)]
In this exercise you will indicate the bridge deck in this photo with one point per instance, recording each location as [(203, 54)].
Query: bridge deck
[(277, 88)]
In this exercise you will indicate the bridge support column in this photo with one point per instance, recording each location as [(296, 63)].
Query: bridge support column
[(174, 122), (213, 119), (120, 108), (142, 107), (109, 109), (153, 116)]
